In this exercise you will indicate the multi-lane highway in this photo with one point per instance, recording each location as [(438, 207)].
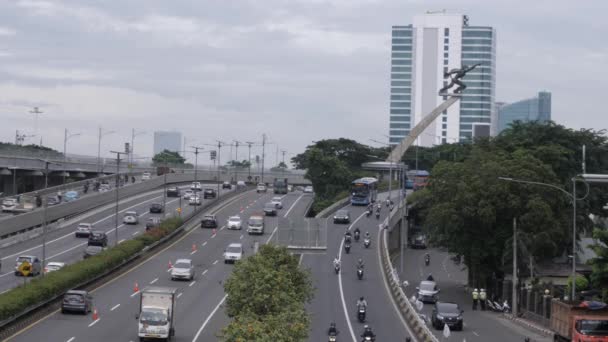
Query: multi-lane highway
[(63, 246), (336, 295), (199, 316)]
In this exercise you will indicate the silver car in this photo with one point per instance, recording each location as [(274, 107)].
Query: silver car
[(130, 217), (234, 222), (233, 253), (427, 291), (183, 269), (84, 229)]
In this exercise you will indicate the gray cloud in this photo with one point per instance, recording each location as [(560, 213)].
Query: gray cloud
[(298, 70)]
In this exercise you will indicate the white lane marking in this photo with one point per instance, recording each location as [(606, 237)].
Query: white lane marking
[(271, 235), (5, 291), (215, 262), (134, 294), (241, 237), (67, 250), (293, 205), (476, 334), (205, 271), (222, 227), (153, 281), (94, 322), (301, 258), (204, 243), (121, 241), (192, 283), (194, 251), (115, 307), (200, 330), (179, 294), (71, 339), (212, 236), (350, 326), (135, 233)]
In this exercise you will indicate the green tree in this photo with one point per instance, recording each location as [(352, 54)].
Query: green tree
[(599, 264), (290, 324), (328, 174), (168, 157), (281, 167), (352, 153), (245, 164)]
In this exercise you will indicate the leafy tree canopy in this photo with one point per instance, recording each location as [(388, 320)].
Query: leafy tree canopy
[(244, 164), (168, 157)]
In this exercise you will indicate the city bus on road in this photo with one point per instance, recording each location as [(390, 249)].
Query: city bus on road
[(363, 191)]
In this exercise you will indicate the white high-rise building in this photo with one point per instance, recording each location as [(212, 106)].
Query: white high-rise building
[(421, 53), (165, 140)]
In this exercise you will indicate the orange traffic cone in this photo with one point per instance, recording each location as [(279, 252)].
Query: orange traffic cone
[(95, 315), (136, 288), (170, 265), (193, 247)]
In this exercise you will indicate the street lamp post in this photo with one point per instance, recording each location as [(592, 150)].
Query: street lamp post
[(117, 198), (219, 156), (134, 134), (249, 143), (44, 219), (99, 136), (66, 137)]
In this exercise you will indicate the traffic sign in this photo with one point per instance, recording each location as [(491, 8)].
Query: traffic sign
[(179, 210), (25, 268)]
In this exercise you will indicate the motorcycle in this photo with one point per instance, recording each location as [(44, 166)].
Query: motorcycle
[(347, 248), (377, 215), (357, 235), (369, 212), (427, 260), (360, 273), (332, 338), (337, 268), (367, 242), (361, 315), (368, 338), (505, 307)]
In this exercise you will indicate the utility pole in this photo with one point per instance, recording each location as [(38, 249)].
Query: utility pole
[(263, 155), (236, 157), (249, 143), (66, 137), (514, 302), (276, 156), (196, 148), (116, 190), (46, 205), (99, 136), (36, 111), (219, 156), (285, 165)]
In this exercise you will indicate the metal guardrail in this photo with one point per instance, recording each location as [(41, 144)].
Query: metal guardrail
[(416, 324), (187, 220)]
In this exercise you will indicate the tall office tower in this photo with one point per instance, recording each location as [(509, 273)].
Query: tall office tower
[(164, 140), (422, 52), (534, 109)]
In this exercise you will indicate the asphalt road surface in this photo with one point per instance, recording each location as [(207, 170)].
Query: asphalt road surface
[(199, 315)]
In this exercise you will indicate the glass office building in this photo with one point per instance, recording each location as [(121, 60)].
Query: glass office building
[(164, 140), (436, 43), (534, 109)]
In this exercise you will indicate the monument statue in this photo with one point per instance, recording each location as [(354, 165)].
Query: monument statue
[(455, 76)]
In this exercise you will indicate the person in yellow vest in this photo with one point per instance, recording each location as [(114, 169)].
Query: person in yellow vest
[(475, 298), (482, 299)]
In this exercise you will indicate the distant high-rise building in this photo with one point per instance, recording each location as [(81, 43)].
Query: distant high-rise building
[(421, 53), (164, 140), (534, 109)]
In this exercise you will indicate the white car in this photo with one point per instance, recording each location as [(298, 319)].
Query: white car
[(9, 204), (195, 200), (104, 187), (84, 229), (277, 201), (308, 190), (234, 222), (53, 266), (261, 188), (130, 217), (233, 253), (183, 269), (146, 176), (188, 194), (196, 186), (289, 188)]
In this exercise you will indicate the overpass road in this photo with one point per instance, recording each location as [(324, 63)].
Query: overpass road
[(63, 246), (331, 289), (198, 314)]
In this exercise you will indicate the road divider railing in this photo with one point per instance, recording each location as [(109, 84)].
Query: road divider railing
[(407, 310), (18, 305)]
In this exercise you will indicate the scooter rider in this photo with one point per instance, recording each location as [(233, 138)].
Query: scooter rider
[(332, 331), (367, 332), (430, 277), (347, 236), (427, 258), (361, 303), (337, 262), (367, 235), (357, 233)]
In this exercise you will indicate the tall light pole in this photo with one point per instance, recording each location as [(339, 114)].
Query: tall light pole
[(249, 143), (196, 148), (263, 155), (100, 135), (219, 155), (117, 198), (285, 165), (46, 205), (134, 134), (36, 111), (585, 178), (66, 137)]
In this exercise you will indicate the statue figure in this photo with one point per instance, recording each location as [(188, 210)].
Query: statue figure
[(455, 79)]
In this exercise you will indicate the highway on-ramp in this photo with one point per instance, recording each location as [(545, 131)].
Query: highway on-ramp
[(198, 316)]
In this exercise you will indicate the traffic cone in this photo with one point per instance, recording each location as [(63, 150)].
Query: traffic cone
[(193, 247), (95, 315), (170, 265), (136, 288)]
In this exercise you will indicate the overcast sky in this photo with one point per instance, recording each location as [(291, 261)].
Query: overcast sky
[(297, 70)]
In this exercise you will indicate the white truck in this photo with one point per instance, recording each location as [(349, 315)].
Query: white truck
[(255, 224), (156, 318)]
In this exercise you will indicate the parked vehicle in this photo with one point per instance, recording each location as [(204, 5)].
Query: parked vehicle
[(130, 217), (183, 269), (255, 224), (98, 238), (84, 229), (585, 321), (75, 300), (233, 253), (156, 313), (34, 269)]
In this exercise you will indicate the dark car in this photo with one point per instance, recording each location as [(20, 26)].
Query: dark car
[(226, 185), (92, 250), (209, 221), (98, 238), (173, 192), (342, 216), (156, 208), (77, 301), (418, 242), (270, 209), (447, 313), (52, 200), (153, 222), (209, 193)]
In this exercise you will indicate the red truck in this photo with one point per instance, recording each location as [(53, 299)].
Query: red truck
[(579, 322)]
